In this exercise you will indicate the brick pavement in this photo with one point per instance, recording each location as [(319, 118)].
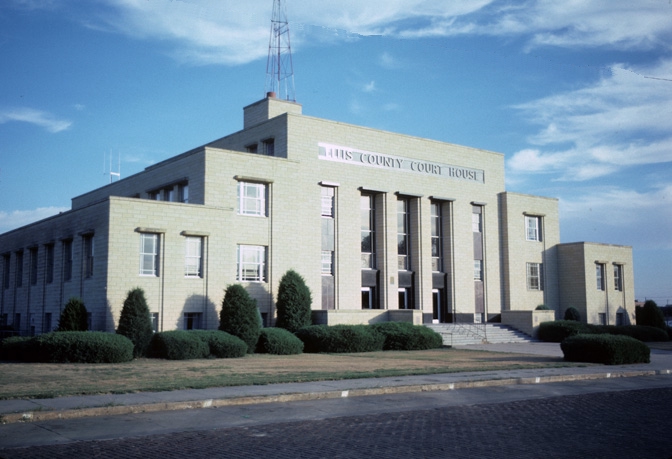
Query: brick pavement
[(627, 424)]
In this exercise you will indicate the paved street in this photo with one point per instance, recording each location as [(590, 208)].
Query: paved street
[(618, 418)]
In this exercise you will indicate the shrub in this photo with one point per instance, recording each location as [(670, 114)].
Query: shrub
[(278, 341), (73, 317), (81, 347), (606, 349), (650, 314), (178, 345), (542, 307), (135, 322), (571, 313), (19, 348), (221, 345), (341, 338), (294, 302), (403, 336), (555, 332), (639, 332), (239, 316)]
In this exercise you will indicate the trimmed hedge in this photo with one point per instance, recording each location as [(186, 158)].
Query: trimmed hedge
[(240, 316), (222, 345), (178, 345), (278, 341), (404, 336), (196, 344), (69, 347), (293, 304), (556, 332), (606, 349), (340, 338)]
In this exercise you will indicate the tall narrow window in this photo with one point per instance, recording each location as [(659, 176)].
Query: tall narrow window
[(252, 199), (6, 263), (437, 242), (403, 239), (618, 278), (476, 222), (19, 269), (327, 198), (192, 320), (533, 228), (327, 263), (251, 263), (33, 266), (535, 279), (67, 260), (169, 194), (269, 147), (368, 245), (88, 255), (599, 275), (149, 254), (478, 270), (49, 264), (193, 257), (183, 192)]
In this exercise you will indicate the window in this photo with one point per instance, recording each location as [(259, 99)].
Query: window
[(155, 195), (368, 294), (251, 263), (620, 318), (19, 269), (535, 276), (602, 318), (327, 263), (33, 266), (251, 148), (183, 192), (599, 276), (46, 326), (49, 264), (88, 255), (269, 147), (327, 201), (67, 260), (149, 254), (252, 199), (403, 228), (533, 228), (437, 243), (155, 321), (368, 245), (192, 320), (169, 194), (476, 222), (6, 263), (192, 259), (618, 278), (478, 270)]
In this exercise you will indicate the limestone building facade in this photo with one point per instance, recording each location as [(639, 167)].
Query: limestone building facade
[(382, 226)]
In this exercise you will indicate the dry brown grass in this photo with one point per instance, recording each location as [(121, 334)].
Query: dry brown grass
[(25, 380)]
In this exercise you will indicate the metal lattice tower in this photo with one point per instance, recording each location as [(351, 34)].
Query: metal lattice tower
[(279, 68)]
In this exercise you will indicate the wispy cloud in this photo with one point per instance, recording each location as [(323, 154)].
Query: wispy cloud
[(37, 117), (18, 218), (370, 87), (621, 120)]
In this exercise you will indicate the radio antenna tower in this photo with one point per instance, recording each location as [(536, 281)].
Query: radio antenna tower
[(279, 68)]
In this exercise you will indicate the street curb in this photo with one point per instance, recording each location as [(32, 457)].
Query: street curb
[(112, 410)]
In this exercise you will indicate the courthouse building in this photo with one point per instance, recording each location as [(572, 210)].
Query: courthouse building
[(382, 226)]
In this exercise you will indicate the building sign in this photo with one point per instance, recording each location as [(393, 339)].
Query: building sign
[(329, 152)]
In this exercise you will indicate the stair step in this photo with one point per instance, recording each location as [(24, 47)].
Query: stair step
[(463, 334)]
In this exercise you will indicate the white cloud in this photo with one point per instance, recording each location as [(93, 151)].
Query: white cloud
[(18, 218), (621, 120), (37, 117), (620, 215), (370, 87)]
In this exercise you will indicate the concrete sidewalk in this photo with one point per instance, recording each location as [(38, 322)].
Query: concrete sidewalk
[(12, 411)]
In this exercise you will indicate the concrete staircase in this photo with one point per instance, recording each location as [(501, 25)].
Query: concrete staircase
[(463, 334)]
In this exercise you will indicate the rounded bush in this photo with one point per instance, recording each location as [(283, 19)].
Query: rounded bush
[(650, 314), (82, 347), (606, 349), (240, 317), (135, 322), (555, 332), (404, 336), (178, 345), (341, 338), (571, 313), (294, 302), (542, 307), (278, 341), (221, 344), (74, 316)]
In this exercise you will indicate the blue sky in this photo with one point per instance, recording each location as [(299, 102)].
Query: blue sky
[(576, 94)]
